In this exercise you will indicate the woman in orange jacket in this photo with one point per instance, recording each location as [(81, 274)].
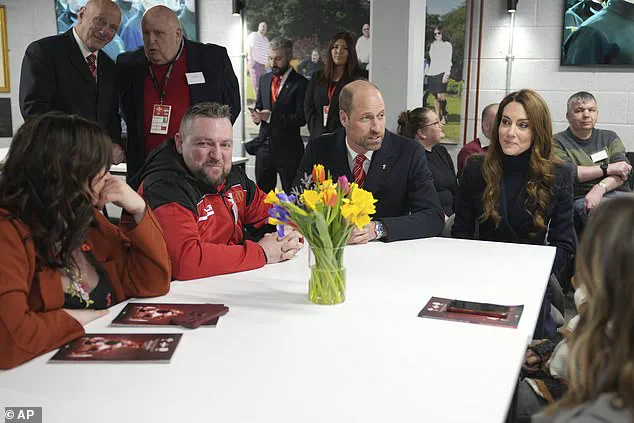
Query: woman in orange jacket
[(62, 263)]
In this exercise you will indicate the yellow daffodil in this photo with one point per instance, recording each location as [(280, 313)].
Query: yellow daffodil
[(310, 198), (271, 197)]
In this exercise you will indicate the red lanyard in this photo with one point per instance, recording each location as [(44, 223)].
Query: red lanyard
[(331, 90)]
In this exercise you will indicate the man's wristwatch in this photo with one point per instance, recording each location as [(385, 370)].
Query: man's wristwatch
[(604, 168), (379, 229)]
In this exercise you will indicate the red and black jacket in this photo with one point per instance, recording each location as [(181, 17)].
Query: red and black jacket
[(205, 227)]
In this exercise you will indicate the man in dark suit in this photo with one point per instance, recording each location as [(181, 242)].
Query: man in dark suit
[(279, 110), (162, 79), (393, 168), (69, 72)]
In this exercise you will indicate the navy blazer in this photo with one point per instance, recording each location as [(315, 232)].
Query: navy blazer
[(558, 217), (398, 177), (221, 85), (287, 117), (55, 76)]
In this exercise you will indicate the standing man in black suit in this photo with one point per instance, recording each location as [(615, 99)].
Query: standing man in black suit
[(393, 168), (166, 76), (70, 73), (279, 110)]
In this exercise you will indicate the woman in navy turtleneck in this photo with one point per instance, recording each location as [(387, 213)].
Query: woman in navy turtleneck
[(519, 192)]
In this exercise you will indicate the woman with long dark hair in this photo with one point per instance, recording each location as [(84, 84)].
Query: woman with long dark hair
[(600, 364), (321, 103), (62, 263), (519, 192)]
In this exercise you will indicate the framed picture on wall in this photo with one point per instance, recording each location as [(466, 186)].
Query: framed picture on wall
[(598, 32), (445, 24), (129, 37), (5, 86)]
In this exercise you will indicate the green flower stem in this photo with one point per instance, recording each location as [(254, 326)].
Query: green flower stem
[(327, 282)]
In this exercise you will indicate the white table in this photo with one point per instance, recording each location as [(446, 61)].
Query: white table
[(277, 358)]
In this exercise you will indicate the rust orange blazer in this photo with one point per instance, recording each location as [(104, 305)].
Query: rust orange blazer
[(32, 321)]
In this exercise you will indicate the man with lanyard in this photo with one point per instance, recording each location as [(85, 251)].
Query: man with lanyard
[(164, 78)]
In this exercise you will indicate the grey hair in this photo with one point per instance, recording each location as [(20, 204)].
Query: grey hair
[(346, 94), (208, 109), (579, 97), (282, 43)]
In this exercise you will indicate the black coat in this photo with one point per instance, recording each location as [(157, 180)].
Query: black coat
[(558, 217), (221, 85), (55, 76), (398, 177), (287, 117)]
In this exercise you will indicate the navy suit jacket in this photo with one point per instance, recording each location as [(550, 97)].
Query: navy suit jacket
[(55, 76), (221, 85), (398, 177), (287, 117)]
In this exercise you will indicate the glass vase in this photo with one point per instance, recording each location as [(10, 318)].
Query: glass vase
[(327, 284)]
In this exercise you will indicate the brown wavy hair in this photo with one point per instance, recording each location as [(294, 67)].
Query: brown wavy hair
[(601, 358), (541, 173), (51, 162), (352, 63)]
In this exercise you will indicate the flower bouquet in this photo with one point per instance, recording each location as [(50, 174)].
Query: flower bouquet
[(325, 214)]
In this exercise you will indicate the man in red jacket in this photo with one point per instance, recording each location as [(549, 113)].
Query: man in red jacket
[(205, 206)]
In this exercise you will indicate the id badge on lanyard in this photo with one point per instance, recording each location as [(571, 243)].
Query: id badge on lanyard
[(160, 119), (161, 113)]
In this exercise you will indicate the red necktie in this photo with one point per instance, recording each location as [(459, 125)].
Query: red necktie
[(275, 87), (91, 65), (358, 172)]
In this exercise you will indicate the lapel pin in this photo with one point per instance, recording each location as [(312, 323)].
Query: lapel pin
[(383, 166)]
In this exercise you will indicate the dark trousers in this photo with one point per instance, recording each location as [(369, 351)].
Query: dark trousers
[(266, 170)]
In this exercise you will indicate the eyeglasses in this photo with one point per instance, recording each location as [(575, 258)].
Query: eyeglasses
[(436, 33), (432, 124)]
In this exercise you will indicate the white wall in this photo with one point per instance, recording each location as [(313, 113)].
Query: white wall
[(398, 37), (536, 49), (25, 23)]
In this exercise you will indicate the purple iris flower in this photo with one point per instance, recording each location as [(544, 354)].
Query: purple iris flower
[(282, 196), (280, 231), (278, 212)]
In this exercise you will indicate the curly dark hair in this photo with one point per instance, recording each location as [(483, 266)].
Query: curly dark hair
[(352, 63), (46, 179), (541, 174)]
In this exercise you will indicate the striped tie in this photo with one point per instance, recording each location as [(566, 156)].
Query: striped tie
[(358, 172), (91, 65)]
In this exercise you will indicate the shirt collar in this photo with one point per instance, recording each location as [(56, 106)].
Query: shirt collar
[(85, 51), (353, 155)]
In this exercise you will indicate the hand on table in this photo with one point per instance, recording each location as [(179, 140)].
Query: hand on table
[(362, 236), (280, 249), (85, 316)]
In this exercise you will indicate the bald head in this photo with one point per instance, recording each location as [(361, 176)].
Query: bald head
[(162, 34), (362, 114), (97, 23)]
